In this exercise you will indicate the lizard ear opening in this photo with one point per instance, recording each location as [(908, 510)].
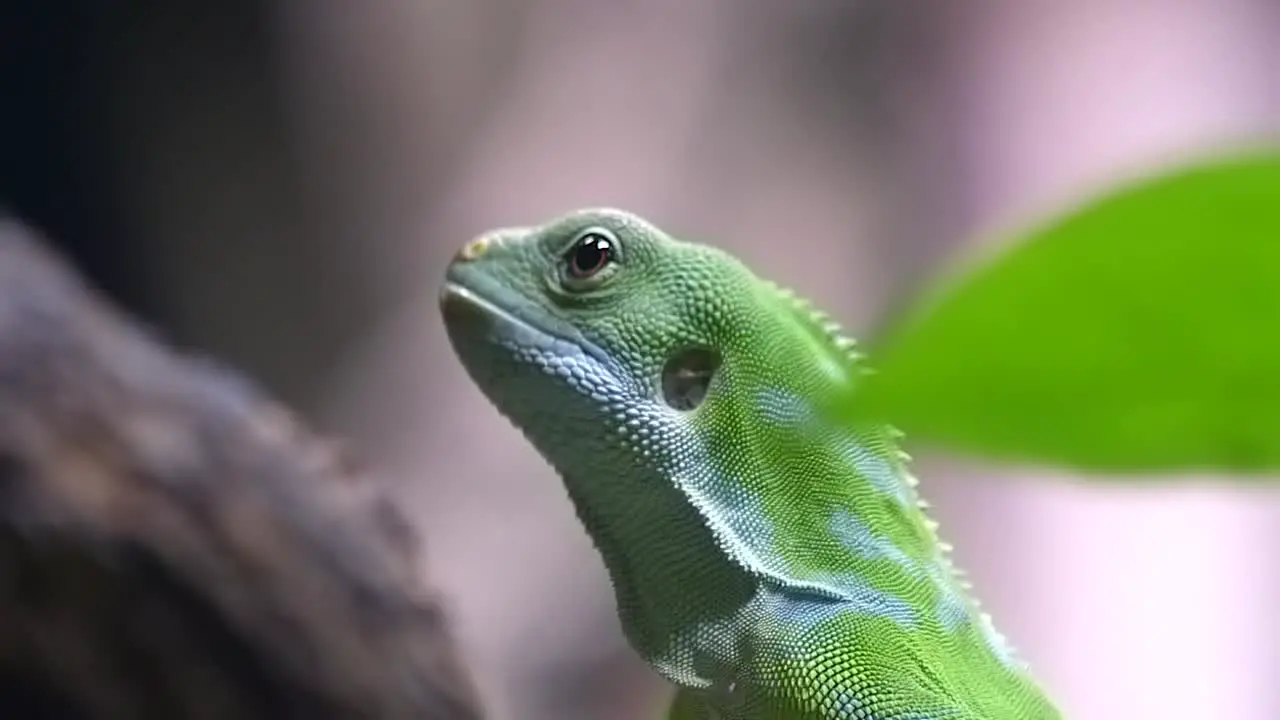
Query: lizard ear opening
[(687, 375)]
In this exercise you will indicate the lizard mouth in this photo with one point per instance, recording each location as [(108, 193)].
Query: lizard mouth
[(464, 309), (469, 312)]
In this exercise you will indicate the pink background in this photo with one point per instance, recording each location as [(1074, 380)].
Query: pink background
[(845, 149)]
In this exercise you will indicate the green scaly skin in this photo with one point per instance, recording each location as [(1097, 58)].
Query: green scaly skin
[(769, 563)]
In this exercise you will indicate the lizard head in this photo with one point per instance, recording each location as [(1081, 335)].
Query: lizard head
[(598, 334)]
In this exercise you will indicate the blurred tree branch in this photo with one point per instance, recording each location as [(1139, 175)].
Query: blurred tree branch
[(174, 545)]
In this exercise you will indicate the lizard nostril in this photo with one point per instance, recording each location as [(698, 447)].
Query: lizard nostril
[(474, 250)]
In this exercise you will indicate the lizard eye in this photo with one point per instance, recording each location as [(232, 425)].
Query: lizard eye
[(593, 251)]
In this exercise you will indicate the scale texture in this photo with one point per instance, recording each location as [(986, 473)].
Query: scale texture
[(769, 562)]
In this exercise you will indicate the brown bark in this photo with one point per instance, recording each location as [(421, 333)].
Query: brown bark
[(173, 544)]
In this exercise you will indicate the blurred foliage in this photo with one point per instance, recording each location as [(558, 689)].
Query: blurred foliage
[(1137, 333)]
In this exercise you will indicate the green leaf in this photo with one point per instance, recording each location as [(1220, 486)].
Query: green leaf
[(1140, 333)]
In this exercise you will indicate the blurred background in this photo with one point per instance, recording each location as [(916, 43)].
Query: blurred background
[(281, 184)]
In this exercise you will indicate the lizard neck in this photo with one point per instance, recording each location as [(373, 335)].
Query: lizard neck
[(826, 520), (680, 598), (843, 562), (821, 509)]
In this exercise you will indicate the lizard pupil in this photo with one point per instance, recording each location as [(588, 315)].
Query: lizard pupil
[(590, 255)]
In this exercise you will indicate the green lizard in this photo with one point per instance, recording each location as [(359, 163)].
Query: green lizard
[(768, 562)]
